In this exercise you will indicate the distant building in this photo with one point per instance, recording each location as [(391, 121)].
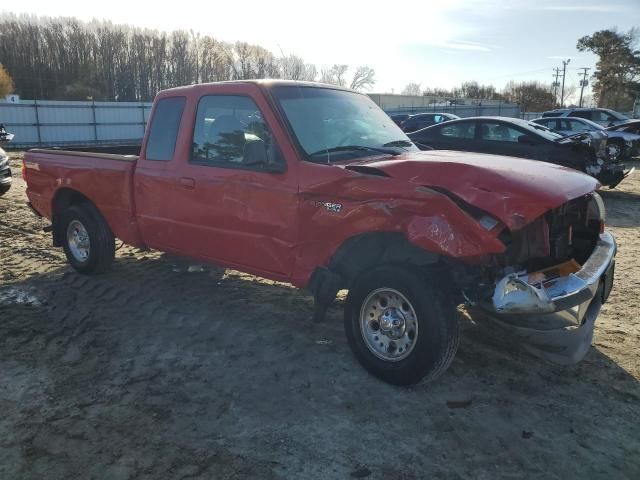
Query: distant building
[(390, 101)]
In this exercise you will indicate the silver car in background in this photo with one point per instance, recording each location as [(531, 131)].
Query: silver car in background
[(621, 143)]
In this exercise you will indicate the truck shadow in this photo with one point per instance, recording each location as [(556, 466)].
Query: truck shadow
[(193, 357)]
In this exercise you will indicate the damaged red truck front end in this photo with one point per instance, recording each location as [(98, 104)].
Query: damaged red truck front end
[(522, 241)]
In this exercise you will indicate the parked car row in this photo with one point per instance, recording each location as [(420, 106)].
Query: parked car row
[(601, 116), (586, 152)]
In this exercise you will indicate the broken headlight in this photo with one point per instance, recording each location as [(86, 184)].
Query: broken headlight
[(596, 211)]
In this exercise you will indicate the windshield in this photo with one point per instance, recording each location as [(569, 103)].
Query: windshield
[(328, 122)]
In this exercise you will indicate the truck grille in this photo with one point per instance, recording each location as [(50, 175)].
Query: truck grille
[(567, 232)]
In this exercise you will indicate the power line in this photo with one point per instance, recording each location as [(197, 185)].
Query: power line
[(516, 74)]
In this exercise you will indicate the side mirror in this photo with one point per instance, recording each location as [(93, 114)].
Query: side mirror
[(526, 140)]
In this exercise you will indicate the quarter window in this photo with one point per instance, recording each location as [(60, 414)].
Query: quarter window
[(230, 132), (161, 143)]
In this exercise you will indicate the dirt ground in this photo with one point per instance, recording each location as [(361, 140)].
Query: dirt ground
[(165, 370)]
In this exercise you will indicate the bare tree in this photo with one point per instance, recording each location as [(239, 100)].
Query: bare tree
[(67, 58), (411, 89), (334, 75), (364, 78), (532, 96)]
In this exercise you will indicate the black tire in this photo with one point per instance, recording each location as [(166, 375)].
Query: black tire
[(4, 189), (438, 331), (102, 241)]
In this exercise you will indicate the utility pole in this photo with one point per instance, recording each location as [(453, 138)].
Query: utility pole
[(556, 84), (583, 83), (564, 74)]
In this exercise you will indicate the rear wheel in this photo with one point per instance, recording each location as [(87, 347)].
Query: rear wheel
[(87, 239), (401, 327)]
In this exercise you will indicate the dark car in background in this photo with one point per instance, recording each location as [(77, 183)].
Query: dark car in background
[(632, 126), (586, 152), (622, 143), (423, 120), (602, 116), (398, 118)]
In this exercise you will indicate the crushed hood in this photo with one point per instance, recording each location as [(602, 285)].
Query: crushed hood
[(514, 190)]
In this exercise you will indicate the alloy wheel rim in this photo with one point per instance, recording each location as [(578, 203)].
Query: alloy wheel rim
[(388, 324), (78, 241)]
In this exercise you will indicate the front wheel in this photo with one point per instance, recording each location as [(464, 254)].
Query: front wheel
[(401, 327), (87, 239), (615, 147)]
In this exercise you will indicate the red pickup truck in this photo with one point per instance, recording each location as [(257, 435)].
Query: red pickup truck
[(315, 185)]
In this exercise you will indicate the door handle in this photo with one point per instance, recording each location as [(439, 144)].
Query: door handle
[(188, 183)]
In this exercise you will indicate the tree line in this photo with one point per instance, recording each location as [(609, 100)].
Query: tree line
[(531, 96), (64, 58)]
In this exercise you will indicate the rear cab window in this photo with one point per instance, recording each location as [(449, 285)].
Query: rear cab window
[(165, 124)]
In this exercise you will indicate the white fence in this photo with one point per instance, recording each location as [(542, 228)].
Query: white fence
[(48, 123)]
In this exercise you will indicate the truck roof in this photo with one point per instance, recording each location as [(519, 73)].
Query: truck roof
[(263, 82)]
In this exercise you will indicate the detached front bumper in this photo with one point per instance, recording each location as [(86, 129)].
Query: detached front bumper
[(555, 319)]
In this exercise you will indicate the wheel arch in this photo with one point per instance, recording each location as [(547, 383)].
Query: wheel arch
[(63, 199), (360, 253)]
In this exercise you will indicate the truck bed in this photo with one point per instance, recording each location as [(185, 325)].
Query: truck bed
[(105, 179)]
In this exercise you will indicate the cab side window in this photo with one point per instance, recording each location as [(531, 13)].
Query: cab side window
[(230, 132), (547, 123), (499, 132), (601, 116), (163, 133), (465, 130), (588, 114)]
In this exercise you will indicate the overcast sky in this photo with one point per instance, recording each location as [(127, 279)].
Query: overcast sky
[(433, 42)]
